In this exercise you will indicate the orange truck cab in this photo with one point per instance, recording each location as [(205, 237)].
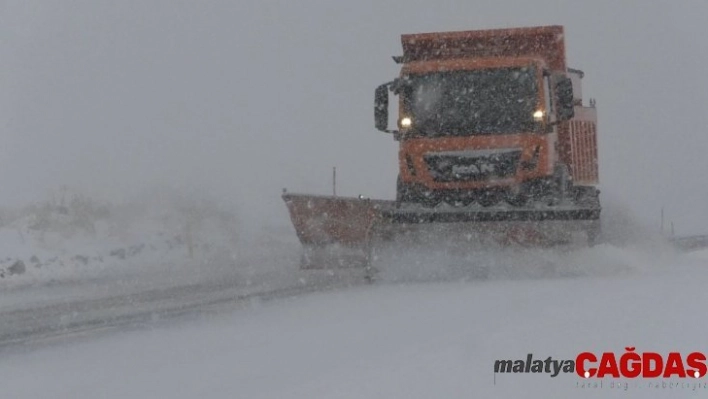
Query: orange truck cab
[(489, 116)]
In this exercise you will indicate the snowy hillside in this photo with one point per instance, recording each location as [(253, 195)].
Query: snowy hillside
[(76, 238)]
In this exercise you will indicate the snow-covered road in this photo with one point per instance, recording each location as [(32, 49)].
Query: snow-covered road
[(49, 309), (393, 339), (30, 324)]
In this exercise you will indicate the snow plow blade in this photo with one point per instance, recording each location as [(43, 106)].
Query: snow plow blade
[(322, 220), (343, 231), (334, 231)]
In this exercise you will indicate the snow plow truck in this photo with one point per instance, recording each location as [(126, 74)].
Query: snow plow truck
[(495, 145)]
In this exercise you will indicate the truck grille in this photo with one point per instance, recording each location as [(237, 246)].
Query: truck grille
[(455, 166)]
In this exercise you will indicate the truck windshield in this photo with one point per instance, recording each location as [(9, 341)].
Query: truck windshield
[(458, 103)]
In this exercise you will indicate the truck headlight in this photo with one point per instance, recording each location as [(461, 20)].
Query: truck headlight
[(406, 122), (538, 116)]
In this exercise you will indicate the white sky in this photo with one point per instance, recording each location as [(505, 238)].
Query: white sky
[(240, 99)]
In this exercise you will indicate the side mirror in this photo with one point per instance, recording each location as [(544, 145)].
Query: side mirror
[(381, 107), (564, 97)]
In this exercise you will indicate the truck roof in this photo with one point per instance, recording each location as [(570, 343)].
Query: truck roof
[(456, 64), (546, 42)]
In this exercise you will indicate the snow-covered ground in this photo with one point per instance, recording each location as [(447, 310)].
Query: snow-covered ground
[(171, 301), (78, 239), (88, 266), (398, 338)]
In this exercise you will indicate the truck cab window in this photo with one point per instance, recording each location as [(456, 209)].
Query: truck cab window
[(469, 102)]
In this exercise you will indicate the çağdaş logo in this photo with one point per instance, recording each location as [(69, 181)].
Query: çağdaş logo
[(630, 364)]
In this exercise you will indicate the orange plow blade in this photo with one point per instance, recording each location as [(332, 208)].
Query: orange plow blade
[(340, 232), (334, 229)]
